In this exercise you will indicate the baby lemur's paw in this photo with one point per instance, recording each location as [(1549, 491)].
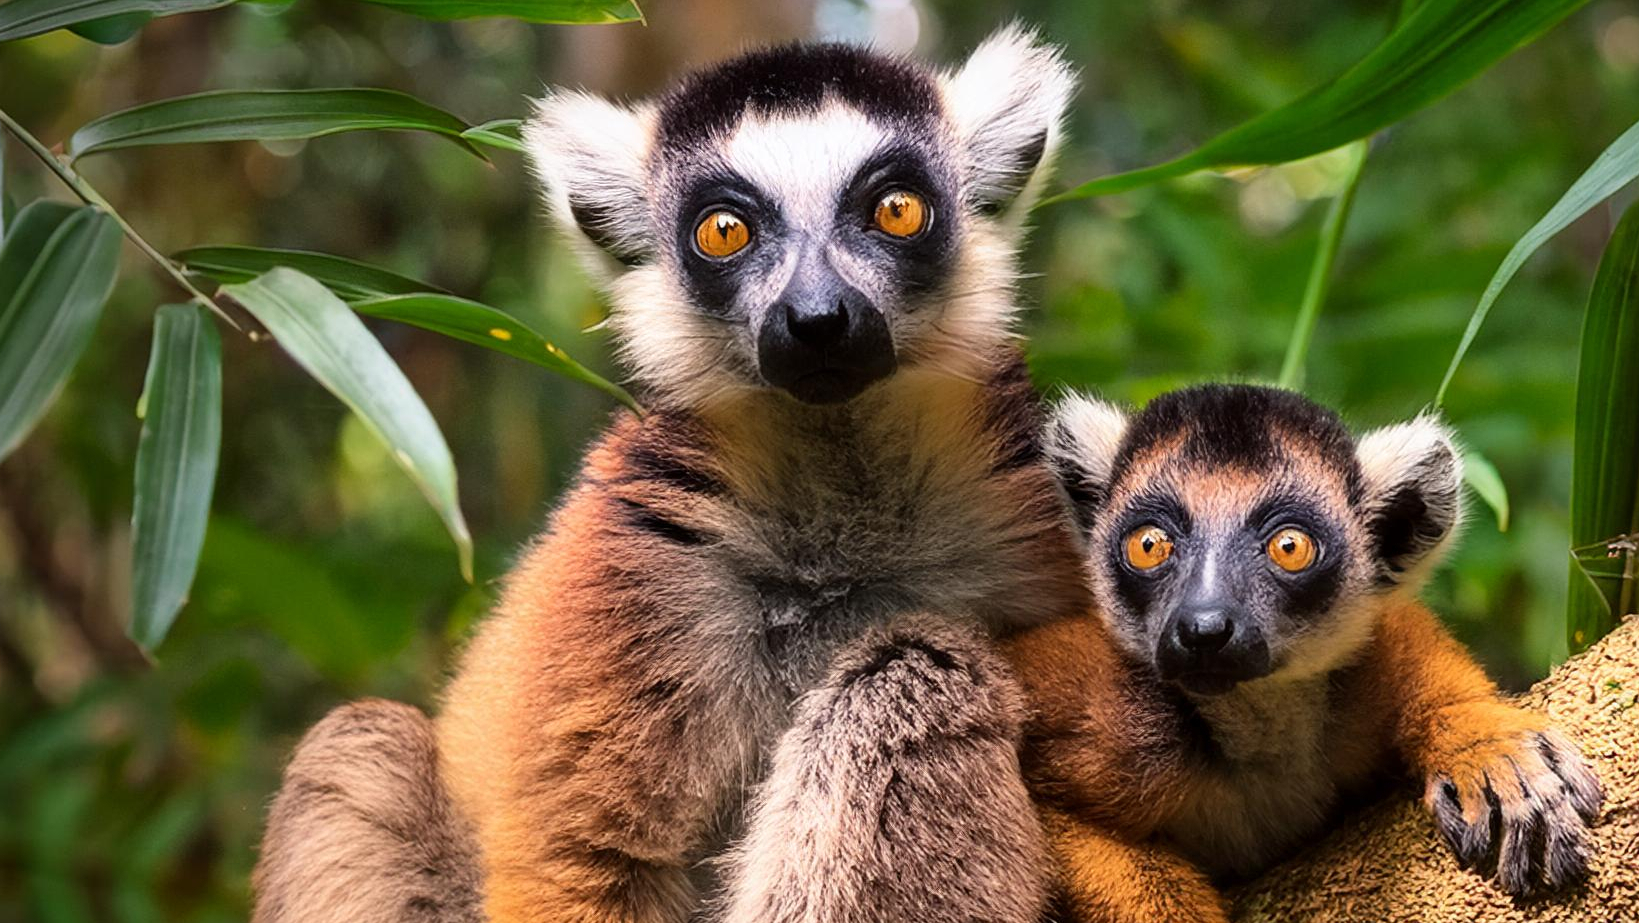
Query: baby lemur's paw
[(922, 679), (1518, 804)]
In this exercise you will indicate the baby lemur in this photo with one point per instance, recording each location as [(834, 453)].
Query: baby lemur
[(1258, 660), (762, 614)]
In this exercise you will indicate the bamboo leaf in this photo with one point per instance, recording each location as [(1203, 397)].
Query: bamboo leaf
[(1320, 272), (1435, 48), (264, 115), (1482, 477), (23, 18), (176, 467), (1615, 167), (1605, 463), (56, 269), (501, 133), (546, 11), (484, 326), (348, 278), (328, 340)]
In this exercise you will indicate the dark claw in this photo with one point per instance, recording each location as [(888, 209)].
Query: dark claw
[(1582, 786), (1565, 848)]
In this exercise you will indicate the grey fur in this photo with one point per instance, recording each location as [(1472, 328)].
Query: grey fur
[(896, 794), (363, 831)]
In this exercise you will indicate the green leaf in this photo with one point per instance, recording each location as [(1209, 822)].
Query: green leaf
[(1436, 47), (548, 11), (22, 18), (332, 344), (1320, 272), (1605, 461), (264, 115), (1615, 167), (348, 278), (112, 30), (502, 133), (6, 207), (485, 326), (1482, 476), (176, 466), (56, 270)]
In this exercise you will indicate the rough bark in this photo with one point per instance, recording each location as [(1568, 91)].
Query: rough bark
[(1388, 865)]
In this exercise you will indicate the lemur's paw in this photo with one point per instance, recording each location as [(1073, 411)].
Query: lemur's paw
[(1519, 807), (918, 680)]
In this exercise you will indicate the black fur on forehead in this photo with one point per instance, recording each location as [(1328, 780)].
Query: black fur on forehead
[(795, 78), (1238, 425)]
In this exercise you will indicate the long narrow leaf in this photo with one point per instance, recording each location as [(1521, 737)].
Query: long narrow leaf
[(1605, 466), (264, 115), (348, 278), (1616, 166), (56, 270), (22, 18), (1482, 476), (550, 11), (328, 340), (1437, 47), (506, 134), (176, 466), (485, 326)]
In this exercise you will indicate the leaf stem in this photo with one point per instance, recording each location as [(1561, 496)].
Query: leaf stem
[(1320, 272), (91, 196)]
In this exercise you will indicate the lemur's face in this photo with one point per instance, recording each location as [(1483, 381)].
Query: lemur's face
[(1235, 533), (810, 218)]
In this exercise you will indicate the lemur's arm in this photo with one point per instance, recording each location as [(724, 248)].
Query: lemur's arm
[(590, 733), (896, 793), (1108, 879), (1490, 770)]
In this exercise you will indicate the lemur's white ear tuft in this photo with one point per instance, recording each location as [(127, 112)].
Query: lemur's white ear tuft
[(1082, 441), (589, 155), (1412, 480), (1008, 101)]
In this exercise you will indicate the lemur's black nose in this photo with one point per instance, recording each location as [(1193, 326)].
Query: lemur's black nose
[(1204, 631), (817, 325)]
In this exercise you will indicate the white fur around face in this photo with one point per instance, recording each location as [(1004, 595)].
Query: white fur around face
[(803, 162), (597, 149), (1012, 91), (1422, 455), (1084, 437)]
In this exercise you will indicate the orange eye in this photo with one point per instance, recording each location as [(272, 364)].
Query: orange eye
[(1148, 547), (722, 234), (1292, 550), (902, 214)]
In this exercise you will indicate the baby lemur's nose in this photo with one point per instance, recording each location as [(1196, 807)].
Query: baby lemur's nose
[(1205, 631)]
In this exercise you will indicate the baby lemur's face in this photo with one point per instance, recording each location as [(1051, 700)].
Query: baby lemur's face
[(1235, 533), (807, 218)]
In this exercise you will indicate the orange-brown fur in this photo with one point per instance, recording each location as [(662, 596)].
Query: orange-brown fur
[(608, 721)]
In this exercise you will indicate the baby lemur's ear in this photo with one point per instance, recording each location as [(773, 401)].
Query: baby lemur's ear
[(1412, 498), (589, 155), (1082, 440), (1008, 101)]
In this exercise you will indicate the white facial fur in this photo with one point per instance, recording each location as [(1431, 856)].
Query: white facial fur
[(591, 155)]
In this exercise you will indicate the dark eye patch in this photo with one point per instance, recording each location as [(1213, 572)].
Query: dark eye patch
[(1312, 591), (918, 263), (1139, 590), (712, 284)]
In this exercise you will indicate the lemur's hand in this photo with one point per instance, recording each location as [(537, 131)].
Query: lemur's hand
[(1512, 795)]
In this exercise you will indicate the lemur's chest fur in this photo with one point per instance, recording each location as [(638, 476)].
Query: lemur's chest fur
[(932, 497), (1267, 782)]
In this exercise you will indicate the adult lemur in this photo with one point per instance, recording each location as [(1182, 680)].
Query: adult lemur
[(785, 573)]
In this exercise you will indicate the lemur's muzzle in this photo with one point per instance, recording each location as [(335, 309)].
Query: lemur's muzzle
[(1208, 649), (823, 341)]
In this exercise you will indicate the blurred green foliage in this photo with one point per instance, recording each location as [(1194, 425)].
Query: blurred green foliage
[(134, 792)]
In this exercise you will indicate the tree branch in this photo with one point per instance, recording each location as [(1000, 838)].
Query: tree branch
[(1388, 865)]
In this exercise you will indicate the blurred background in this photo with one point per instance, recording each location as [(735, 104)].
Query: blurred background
[(133, 791)]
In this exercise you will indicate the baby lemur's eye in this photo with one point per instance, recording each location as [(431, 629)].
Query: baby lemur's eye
[(902, 213), (722, 234), (1292, 550), (1148, 547)]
